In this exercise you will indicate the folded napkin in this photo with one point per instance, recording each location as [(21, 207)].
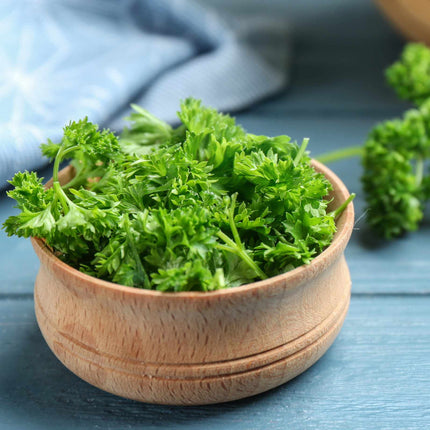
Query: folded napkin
[(67, 59)]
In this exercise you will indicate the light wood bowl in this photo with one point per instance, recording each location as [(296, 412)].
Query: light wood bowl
[(411, 17), (195, 348)]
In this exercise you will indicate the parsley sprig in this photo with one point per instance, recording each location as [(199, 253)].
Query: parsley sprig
[(199, 207), (394, 156)]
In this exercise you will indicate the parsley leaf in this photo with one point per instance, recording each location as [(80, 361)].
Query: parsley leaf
[(199, 207)]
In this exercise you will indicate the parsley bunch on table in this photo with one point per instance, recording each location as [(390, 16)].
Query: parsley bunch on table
[(394, 156), (410, 76), (201, 207)]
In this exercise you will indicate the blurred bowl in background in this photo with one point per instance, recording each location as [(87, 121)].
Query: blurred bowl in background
[(410, 17)]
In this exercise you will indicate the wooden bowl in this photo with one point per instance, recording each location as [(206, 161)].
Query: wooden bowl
[(411, 17), (195, 348)]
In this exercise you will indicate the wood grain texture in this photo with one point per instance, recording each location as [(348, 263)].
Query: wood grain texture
[(375, 376)]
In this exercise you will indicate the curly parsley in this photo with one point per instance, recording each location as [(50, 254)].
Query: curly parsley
[(394, 155), (200, 207)]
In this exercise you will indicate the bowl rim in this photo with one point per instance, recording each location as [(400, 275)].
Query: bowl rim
[(293, 277)]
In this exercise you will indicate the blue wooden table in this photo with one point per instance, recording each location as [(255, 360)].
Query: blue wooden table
[(377, 373)]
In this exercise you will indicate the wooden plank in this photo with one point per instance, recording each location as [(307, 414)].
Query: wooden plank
[(376, 375)]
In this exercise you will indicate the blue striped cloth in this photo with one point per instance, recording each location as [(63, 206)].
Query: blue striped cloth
[(66, 59)]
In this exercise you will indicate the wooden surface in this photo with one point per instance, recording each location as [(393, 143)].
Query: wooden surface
[(377, 373)]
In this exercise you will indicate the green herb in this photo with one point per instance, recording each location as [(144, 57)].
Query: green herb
[(394, 154), (410, 76), (393, 172), (200, 207)]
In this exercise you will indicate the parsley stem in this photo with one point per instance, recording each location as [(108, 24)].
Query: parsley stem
[(329, 157), (342, 207), (419, 171), (281, 238), (61, 196), (301, 151), (232, 223), (240, 252), (141, 273), (59, 158), (55, 181), (237, 246)]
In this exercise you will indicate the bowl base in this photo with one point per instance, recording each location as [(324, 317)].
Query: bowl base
[(193, 384)]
